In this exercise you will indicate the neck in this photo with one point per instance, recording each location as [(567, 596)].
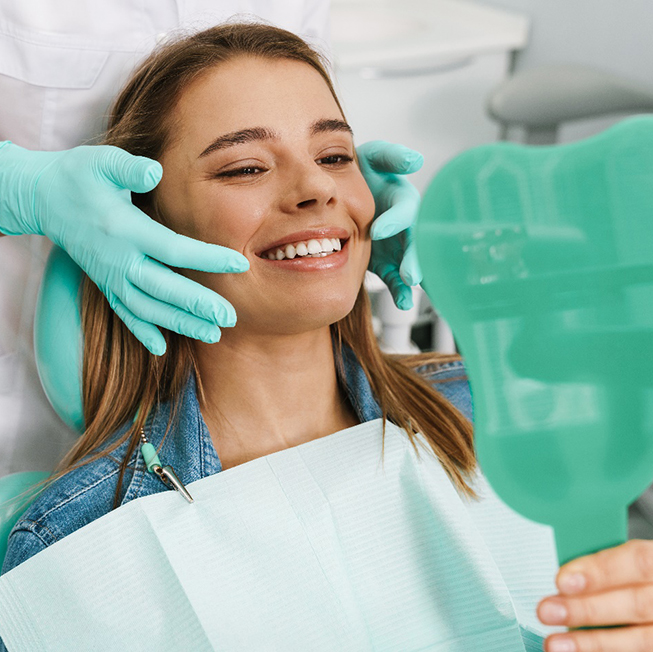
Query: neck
[(270, 392)]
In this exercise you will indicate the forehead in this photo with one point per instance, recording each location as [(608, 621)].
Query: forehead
[(249, 91)]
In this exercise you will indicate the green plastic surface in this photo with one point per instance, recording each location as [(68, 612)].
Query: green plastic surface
[(150, 456), (58, 337), (541, 261)]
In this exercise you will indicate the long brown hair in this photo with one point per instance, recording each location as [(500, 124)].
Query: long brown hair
[(121, 378)]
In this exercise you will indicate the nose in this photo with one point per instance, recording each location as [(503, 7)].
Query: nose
[(309, 187)]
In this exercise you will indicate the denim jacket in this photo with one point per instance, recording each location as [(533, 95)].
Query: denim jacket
[(87, 493)]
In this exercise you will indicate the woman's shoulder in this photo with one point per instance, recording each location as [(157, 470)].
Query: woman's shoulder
[(67, 504), (447, 374), (440, 367)]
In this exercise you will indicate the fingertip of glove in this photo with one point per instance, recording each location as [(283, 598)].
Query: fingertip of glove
[(381, 231), (404, 302), (153, 173), (209, 335), (413, 161), (156, 348), (238, 266), (224, 316), (411, 278)]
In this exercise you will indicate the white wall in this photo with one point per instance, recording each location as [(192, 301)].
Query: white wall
[(615, 35)]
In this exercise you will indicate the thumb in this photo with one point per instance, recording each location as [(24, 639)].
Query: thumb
[(135, 173)]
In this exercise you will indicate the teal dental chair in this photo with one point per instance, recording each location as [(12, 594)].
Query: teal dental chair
[(58, 349)]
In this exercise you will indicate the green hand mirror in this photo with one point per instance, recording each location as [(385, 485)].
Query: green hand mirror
[(541, 261)]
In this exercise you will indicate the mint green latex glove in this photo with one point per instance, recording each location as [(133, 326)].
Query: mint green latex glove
[(397, 202), (81, 200)]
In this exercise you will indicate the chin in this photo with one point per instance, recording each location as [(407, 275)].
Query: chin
[(311, 315)]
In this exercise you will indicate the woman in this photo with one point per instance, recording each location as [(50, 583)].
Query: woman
[(247, 127)]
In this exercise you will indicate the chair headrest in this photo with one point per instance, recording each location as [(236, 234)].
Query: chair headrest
[(58, 344)]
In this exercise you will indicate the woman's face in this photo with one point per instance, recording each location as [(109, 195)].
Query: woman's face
[(260, 161)]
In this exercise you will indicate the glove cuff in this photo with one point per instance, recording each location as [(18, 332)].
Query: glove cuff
[(18, 175)]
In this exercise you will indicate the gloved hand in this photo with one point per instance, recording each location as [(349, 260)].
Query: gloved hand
[(397, 201), (80, 199)]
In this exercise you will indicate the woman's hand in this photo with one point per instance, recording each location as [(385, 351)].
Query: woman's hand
[(611, 587), (384, 166)]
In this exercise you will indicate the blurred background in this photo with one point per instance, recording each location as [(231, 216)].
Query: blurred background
[(442, 76)]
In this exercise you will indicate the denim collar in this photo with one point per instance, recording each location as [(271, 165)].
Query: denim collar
[(188, 446)]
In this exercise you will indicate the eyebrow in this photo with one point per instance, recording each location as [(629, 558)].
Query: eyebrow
[(321, 126), (263, 133)]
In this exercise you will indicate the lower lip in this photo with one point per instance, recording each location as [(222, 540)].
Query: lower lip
[(318, 264)]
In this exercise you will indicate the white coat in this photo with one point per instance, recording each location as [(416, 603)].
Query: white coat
[(61, 64)]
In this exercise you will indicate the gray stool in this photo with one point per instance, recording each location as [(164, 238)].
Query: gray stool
[(539, 100)]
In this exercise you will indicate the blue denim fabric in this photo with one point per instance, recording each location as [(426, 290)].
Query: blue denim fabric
[(87, 493)]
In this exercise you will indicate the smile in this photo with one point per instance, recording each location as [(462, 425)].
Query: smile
[(313, 248), (324, 254)]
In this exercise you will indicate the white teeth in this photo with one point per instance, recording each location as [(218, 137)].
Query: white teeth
[(311, 248), (314, 247)]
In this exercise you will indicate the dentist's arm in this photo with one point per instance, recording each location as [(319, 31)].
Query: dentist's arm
[(384, 166), (81, 200)]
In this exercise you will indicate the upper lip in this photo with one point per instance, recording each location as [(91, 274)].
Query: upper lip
[(309, 234)]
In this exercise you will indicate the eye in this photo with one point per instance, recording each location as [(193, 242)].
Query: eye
[(249, 171), (336, 160)]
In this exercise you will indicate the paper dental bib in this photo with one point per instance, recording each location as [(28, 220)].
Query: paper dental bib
[(321, 547)]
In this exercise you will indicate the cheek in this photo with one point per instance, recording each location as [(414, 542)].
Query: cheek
[(360, 207), (360, 203), (228, 220), (226, 217)]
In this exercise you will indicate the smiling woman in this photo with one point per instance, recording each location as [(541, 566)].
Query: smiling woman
[(257, 156), (278, 171)]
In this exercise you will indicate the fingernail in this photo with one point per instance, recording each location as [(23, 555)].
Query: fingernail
[(572, 583), (553, 613), (561, 645)]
